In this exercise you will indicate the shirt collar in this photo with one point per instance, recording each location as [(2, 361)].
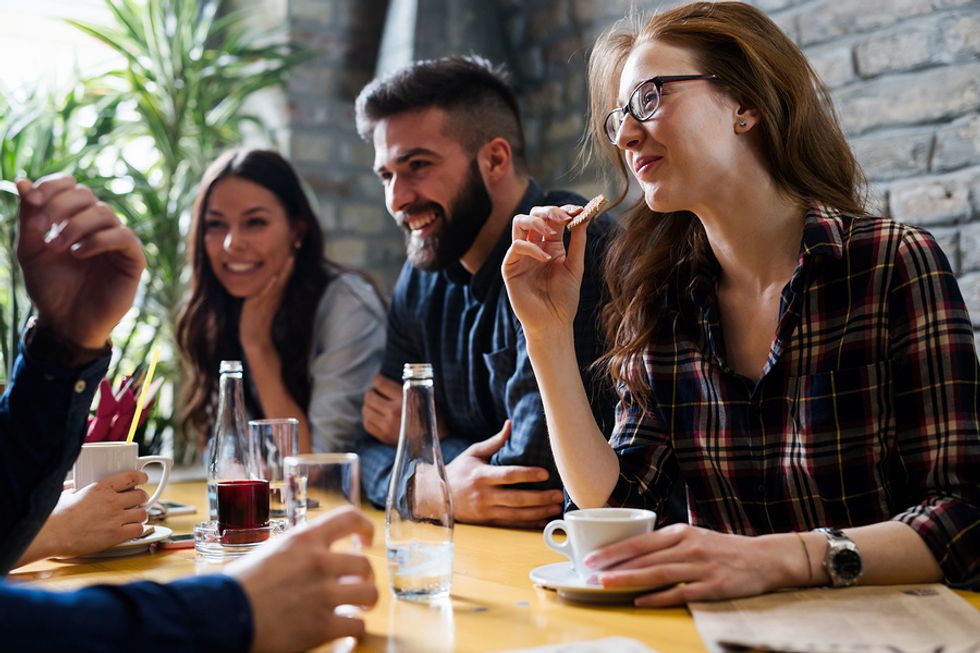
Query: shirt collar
[(822, 232), (489, 272)]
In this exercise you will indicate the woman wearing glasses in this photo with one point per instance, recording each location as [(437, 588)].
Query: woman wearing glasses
[(806, 370)]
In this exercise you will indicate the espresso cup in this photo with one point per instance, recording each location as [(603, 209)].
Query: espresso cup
[(100, 459), (593, 528)]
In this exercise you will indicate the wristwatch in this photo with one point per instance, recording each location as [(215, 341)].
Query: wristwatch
[(843, 561)]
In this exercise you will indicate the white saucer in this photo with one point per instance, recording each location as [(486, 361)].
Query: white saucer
[(561, 576), (131, 547)]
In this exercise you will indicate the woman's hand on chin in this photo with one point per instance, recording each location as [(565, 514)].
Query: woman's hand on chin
[(258, 311)]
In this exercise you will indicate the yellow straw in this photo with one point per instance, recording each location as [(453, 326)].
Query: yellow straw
[(142, 398)]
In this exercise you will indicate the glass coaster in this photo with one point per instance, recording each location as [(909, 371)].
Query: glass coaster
[(213, 545)]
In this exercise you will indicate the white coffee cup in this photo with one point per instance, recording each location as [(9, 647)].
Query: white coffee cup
[(593, 528), (100, 459)]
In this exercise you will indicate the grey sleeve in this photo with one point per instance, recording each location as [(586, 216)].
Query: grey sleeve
[(348, 346)]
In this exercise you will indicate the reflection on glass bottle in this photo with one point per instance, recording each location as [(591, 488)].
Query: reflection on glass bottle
[(228, 452), (419, 509)]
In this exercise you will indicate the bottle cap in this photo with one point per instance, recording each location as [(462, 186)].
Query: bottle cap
[(416, 371), (230, 367)]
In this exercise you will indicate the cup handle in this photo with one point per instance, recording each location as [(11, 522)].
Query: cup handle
[(564, 547), (167, 463)]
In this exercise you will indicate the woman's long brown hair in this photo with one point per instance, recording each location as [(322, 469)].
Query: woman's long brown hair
[(207, 327), (654, 256)]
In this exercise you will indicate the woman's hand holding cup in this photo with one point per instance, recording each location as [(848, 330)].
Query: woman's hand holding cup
[(591, 529)]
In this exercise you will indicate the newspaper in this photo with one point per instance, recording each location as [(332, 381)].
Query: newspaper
[(895, 619), (606, 645)]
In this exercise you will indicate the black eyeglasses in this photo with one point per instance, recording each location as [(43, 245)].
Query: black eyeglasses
[(644, 102)]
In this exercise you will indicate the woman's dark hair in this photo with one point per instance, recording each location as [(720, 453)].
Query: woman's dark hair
[(656, 255), (207, 327)]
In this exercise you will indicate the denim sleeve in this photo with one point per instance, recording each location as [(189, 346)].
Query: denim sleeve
[(377, 460), (528, 444), (205, 613), (43, 416)]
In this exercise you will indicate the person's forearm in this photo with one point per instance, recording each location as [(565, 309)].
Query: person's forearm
[(38, 548), (202, 613), (275, 400), (43, 421), (587, 464), (891, 553)]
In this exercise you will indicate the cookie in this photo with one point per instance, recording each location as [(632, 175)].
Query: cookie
[(591, 210)]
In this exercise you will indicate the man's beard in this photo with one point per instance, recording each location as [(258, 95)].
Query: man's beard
[(469, 211)]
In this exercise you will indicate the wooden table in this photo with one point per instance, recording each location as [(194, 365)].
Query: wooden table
[(493, 606)]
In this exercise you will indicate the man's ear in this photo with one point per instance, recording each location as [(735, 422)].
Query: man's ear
[(496, 159)]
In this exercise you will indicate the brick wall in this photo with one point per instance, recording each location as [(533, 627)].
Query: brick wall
[(905, 76)]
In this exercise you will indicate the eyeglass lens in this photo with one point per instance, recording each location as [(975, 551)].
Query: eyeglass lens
[(642, 104)]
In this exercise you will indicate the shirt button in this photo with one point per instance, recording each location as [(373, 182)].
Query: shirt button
[(79, 386), (761, 488)]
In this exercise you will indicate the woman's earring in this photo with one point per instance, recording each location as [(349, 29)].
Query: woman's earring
[(297, 244), (741, 122)]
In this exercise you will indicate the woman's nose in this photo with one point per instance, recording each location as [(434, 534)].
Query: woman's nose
[(233, 240), (630, 133)]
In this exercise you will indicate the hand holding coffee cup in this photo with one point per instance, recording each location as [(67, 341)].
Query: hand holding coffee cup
[(593, 528), (100, 459)]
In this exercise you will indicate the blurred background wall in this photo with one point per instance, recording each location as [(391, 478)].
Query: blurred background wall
[(905, 76)]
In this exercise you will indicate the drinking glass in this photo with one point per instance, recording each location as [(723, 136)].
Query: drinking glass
[(317, 483), (272, 441)]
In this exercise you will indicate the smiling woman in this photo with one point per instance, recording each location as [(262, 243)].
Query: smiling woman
[(310, 333)]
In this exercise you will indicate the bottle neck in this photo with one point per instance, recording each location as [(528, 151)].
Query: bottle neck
[(418, 412), (229, 380), (230, 457)]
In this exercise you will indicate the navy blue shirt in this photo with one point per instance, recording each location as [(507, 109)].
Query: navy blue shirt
[(42, 425), (464, 326), (203, 613)]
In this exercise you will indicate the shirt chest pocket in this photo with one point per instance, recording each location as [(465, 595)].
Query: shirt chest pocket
[(841, 416)]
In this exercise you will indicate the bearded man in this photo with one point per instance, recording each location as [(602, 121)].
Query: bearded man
[(449, 150)]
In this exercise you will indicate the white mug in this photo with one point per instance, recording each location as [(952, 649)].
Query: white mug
[(97, 460), (593, 528)]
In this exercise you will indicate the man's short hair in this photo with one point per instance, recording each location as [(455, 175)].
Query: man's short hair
[(476, 94)]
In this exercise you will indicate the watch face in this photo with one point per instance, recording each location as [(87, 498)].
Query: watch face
[(847, 564)]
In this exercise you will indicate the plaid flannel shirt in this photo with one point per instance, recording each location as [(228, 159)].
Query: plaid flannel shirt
[(866, 410)]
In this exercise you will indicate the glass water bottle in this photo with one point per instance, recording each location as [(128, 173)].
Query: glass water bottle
[(419, 509)]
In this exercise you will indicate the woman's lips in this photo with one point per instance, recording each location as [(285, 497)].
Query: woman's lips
[(241, 268), (646, 164)]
